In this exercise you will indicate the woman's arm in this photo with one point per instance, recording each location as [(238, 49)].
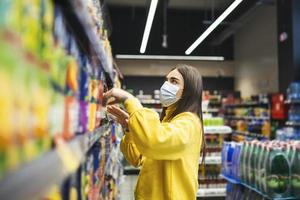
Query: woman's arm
[(128, 148), (156, 140), (130, 151)]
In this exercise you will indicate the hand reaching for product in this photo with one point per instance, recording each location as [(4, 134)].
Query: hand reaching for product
[(119, 115), (116, 95)]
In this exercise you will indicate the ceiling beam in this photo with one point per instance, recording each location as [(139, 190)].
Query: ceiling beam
[(237, 24)]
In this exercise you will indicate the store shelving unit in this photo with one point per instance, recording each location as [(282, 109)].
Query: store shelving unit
[(233, 119), (249, 134), (249, 104), (212, 110), (211, 192), (217, 130), (292, 102), (212, 160), (36, 178), (247, 118), (51, 168), (80, 24), (211, 184), (290, 123)]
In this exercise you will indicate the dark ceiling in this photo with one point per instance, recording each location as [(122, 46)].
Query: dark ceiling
[(177, 4), (186, 21)]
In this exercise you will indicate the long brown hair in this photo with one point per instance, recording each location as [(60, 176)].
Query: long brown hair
[(191, 99)]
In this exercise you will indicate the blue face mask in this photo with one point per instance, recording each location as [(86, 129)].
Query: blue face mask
[(168, 93)]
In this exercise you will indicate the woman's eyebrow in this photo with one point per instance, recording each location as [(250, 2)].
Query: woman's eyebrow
[(174, 78)]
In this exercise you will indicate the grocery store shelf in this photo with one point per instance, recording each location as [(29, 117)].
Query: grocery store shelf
[(79, 22), (292, 102), (53, 166), (212, 160), (290, 123), (249, 134), (212, 110), (211, 192), (231, 180), (248, 104), (247, 118), (217, 130)]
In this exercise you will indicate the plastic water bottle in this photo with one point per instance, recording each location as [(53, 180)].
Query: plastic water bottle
[(265, 164), (224, 157), (229, 157), (249, 172), (261, 171), (295, 172), (236, 161), (244, 150), (257, 165), (278, 173)]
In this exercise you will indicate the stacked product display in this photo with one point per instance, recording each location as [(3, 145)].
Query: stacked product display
[(211, 103), (102, 169), (98, 176), (249, 119), (265, 169), (211, 184), (291, 131), (55, 64), (270, 168)]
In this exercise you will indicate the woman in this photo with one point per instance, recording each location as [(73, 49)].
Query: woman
[(167, 148)]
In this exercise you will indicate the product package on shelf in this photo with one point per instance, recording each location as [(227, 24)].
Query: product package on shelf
[(98, 176), (211, 103), (101, 172), (269, 168), (293, 92), (288, 133), (291, 129), (209, 177), (25, 89), (249, 119)]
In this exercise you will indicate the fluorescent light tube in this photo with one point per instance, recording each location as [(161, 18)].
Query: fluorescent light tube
[(148, 26), (166, 57), (213, 26)]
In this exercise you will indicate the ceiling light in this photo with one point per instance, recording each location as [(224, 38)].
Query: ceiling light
[(150, 17), (166, 57), (213, 26)]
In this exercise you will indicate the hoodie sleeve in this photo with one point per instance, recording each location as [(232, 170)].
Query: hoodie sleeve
[(156, 140), (130, 151)]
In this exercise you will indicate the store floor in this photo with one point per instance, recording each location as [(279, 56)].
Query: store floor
[(127, 187)]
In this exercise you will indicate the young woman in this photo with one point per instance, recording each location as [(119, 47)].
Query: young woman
[(167, 147)]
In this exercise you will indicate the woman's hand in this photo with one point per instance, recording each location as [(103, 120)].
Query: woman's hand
[(118, 96), (119, 115)]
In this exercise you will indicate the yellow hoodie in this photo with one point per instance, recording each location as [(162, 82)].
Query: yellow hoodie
[(168, 153)]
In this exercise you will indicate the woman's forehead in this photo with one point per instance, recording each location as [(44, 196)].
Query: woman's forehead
[(174, 73)]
